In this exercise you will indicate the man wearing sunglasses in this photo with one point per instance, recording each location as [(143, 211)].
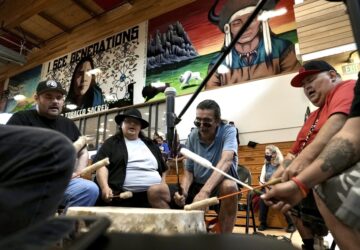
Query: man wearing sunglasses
[(216, 141)]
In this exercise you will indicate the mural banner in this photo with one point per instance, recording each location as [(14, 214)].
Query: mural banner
[(185, 43), (21, 90), (102, 75)]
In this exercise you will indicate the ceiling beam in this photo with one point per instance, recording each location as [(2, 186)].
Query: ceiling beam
[(95, 29), (26, 35), (54, 22), (14, 12), (84, 8)]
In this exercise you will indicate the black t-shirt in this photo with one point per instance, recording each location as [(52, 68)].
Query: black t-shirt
[(355, 107), (32, 118)]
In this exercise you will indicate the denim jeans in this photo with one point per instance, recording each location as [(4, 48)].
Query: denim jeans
[(80, 193), (35, 168)]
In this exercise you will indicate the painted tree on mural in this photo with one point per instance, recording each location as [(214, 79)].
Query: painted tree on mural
[(169, 47)]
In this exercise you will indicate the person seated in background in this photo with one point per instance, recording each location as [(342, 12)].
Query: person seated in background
[(215, 141), (163, 146), (273, 158), (49, 98), (335, 177), (175, 155), (36, 167), (136, 165)]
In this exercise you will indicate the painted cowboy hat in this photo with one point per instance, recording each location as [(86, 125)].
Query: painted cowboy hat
[(132, 113)]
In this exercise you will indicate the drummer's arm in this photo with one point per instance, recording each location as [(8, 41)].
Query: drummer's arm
[(280, 170), (187, 179), (81, 161), (312, 151), (102, 176), (224, 164), (342, 152)]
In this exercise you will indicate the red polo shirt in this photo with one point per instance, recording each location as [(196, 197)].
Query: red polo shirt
[(337, 101)]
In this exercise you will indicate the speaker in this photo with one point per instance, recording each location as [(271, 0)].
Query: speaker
[(252, 144)]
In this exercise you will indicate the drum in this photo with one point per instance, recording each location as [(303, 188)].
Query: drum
[(146, 220)]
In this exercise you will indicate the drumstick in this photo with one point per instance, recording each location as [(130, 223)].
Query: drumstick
[(215, 200), (94, 167), (202, 204), (255, 189), (207, 164), (123, 195), (177, 175), (80, 143)]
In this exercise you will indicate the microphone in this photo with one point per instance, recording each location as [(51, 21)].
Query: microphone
[(170, 94)]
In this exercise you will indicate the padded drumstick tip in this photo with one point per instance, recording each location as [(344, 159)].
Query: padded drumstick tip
[(202, 204)]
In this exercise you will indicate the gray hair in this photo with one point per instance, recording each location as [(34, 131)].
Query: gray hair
[(211, 105)]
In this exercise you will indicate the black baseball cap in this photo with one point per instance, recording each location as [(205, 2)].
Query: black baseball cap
[(49, 85), (310, 68)]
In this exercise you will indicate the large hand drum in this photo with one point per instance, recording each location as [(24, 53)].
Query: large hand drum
[(146, 220)]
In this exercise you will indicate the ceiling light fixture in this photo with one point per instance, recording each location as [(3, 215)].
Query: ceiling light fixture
[(71, 106), (19, 98)]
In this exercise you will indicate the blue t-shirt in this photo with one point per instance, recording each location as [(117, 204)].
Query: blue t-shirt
[(225, 140)]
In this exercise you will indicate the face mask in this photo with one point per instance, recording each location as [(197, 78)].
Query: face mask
[(268, 157)]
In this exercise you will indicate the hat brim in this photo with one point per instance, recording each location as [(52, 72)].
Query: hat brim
[(297, 80), (62, 91), (120, 118)]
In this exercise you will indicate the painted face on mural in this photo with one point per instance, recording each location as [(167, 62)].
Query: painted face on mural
[(250, 34), (317, 86), (50, 104), (83, 79)]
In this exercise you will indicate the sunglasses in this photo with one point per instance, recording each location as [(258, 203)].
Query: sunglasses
[(198, 123)]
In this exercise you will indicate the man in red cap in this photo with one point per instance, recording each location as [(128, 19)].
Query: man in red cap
[(325, 89), (335, 175)]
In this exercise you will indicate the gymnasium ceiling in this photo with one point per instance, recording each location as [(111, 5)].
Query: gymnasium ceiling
[(44, 29)]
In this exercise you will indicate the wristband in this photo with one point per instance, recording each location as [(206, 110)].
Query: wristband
[(303, 189)]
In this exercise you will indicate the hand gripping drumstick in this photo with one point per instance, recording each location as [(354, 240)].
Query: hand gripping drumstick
[(123, 195), (215, 200), (94, 167), (207, 164), (80, 143)]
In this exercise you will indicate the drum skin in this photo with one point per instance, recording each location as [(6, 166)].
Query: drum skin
[(146, 220)]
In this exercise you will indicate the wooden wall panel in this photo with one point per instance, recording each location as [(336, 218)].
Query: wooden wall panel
[(322, 25)]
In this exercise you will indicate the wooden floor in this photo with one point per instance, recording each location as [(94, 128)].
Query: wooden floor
[(294, 237)]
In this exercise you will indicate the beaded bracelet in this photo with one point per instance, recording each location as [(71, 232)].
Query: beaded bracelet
[(303, 189)]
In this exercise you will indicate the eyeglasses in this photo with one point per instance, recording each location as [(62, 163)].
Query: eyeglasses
[(206, 124)]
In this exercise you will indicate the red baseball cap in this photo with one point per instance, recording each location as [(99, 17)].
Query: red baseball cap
[(310, 68)]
